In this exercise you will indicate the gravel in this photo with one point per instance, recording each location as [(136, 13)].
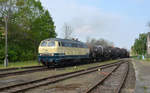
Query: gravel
[(129, 85), (112, 82), (142, 70), (74, 85), (11, 80)]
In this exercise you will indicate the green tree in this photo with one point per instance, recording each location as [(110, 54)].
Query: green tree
[(29, 23), (139, 47)]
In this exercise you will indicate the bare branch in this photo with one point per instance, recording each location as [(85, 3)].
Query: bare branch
[(101, 42), (67, 31)]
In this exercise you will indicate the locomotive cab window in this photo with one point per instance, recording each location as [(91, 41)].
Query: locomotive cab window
[(44, 43), (51, 44)]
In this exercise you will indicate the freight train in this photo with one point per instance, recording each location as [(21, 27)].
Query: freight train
[(56, 51)]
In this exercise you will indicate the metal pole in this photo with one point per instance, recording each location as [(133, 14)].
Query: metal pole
[(6, 34), (6, 45)]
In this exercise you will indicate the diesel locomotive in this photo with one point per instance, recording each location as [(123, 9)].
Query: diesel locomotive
[(55, 51)]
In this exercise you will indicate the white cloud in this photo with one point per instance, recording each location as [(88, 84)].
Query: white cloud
[(78, 15), (91, 21)]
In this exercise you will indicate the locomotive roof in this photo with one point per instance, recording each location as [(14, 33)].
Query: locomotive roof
[(64, 40)]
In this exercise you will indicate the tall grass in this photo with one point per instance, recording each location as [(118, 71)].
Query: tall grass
[(20, 64)]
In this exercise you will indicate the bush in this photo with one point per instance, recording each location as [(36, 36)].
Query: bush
[(26, 55), (16, 53), (12, 55)]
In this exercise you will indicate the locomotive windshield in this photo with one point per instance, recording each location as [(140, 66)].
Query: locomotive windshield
[(44, 43), (48, 43), (51, 44)]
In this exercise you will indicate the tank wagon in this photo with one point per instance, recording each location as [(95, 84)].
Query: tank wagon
[(107, 53), (54, 51)]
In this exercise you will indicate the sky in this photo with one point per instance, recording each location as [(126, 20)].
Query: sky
[(118, 21)]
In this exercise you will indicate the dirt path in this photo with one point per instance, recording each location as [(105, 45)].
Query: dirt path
[(142, 70)]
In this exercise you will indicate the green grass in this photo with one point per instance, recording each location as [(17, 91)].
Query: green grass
[(145, 88), (147, 59), (20, 64), (85, 66), (144, 60), (35, 63)]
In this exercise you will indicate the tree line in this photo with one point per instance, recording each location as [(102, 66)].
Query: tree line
[(139, 47), (28, 24)]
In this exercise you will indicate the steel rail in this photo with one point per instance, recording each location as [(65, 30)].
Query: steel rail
[(22, 72), (123, 78), (16, 68), (52, 79), (99, 82), (105, 77)]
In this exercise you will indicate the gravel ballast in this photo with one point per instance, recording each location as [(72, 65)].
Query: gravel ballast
[(142, 70)]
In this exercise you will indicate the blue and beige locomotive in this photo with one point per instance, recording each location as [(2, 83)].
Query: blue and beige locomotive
[(56, 51)]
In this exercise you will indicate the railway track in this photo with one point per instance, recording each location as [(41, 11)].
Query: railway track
[(52, 79), (26, 71), (22, 70), (18, 68), (102, 85)]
